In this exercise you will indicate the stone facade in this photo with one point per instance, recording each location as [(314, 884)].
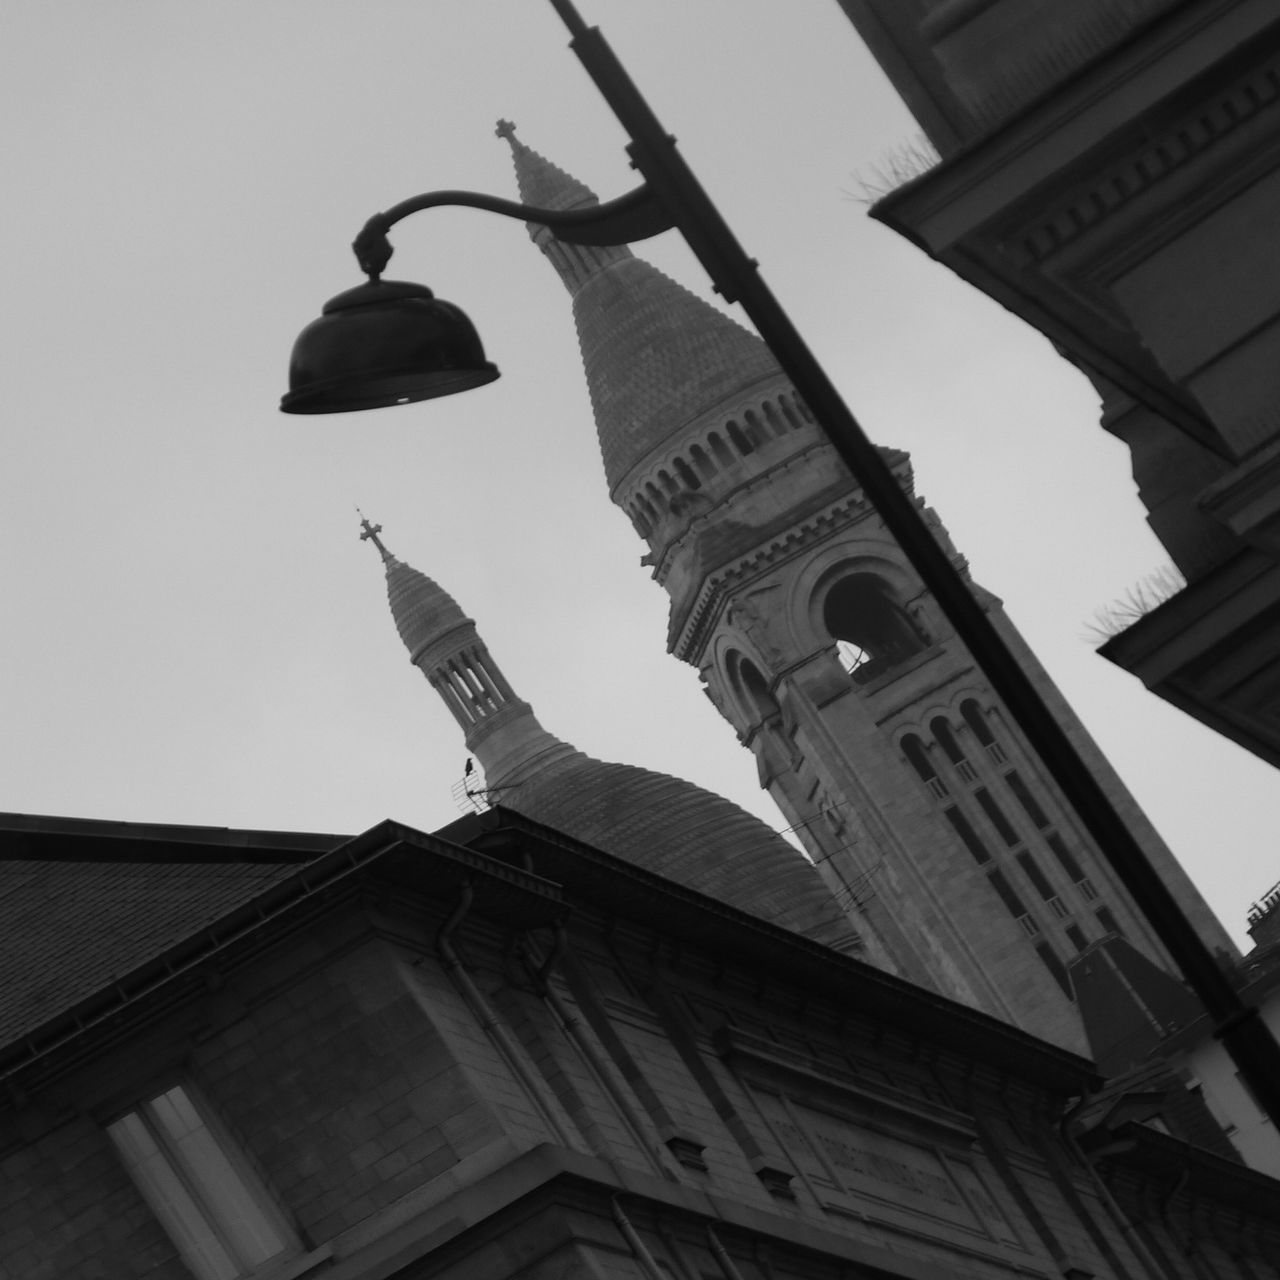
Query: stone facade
[(498, 1051), (930, 817), (1110, 174)]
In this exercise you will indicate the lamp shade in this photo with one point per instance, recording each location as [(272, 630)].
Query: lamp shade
[(385, 342)]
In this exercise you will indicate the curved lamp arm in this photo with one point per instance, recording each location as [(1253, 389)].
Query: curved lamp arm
[(634, 216)]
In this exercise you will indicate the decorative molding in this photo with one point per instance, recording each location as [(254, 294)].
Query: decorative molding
[(1191, 137), (687, 1151), (910, 1112), (689, 633)]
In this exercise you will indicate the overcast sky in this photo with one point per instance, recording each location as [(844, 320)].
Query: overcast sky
[(194, 632)]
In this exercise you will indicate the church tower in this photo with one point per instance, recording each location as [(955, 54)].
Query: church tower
[(919, 801)]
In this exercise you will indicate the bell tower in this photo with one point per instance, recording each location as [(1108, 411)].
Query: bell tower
[(927, 813)]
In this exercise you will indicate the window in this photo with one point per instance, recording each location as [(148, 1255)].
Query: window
[(996, 814), (212, 1208), (873, 633), (964, 829), (1109, 922), (1071, 867), (1026, 799), (1014, 904), (914, 749), (1055, 966), (753, 687)]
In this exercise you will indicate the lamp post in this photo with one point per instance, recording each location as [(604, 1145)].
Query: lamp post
[(388, 342)]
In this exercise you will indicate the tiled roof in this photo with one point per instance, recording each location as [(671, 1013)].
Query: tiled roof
[(656, 356), (690, 835), (84, 903), (423, 610)]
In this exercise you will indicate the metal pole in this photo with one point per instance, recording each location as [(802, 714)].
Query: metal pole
[(734, 274)]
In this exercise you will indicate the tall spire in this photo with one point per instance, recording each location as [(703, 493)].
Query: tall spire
[(654, 820), (655, 354)]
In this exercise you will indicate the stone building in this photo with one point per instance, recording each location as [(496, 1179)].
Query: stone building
[(923, 806), (498, 1051), (1110, 173)]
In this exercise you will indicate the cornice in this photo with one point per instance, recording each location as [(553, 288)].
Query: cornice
[(1153, 159), (689, 629)]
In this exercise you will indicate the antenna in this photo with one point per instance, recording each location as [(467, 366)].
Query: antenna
[(470, 792)]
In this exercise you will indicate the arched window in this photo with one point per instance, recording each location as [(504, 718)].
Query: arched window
[(754, 688), (918, 758), (871, 630), (740, 442), (977, 721), (720, 449), (702, 462), (981, 727), (685, 472), (778, 427), (941, 729), (755, 432)]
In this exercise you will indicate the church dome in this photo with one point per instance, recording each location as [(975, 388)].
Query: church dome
[(685, 833), (661, 823)]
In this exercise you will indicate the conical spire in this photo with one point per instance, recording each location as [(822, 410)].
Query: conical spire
[(656, 821), (656, 355), (424, 611), (500, 728)]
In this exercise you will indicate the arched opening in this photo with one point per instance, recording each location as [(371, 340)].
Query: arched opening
[(738, 440), (702, 462), (720, 449), (981, 727), (977, 722), (871, 630), (778, 427), (685, 472), (753, 687), (918, 758), (941, 729)]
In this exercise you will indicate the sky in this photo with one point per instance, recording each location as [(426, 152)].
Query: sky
[(194, 632)]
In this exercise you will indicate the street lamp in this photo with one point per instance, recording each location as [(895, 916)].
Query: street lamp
[(391, 325)]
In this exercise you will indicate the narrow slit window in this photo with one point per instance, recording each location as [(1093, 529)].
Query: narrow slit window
[(1108, 921), (968, 836), (997, 816), (1029, 803), (918, 757), (1055, 966), (1036, 876)]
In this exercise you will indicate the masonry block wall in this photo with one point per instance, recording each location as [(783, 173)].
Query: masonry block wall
[(599, 1100)]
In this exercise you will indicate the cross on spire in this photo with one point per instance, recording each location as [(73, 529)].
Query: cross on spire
[(506, 130), (369, 533)]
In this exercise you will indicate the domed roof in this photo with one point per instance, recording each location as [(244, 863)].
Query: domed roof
[(664, 824), (423, 610), (688, 834)]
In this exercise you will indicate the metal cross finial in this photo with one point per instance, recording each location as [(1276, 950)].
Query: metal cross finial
[(506, 130), (369, 533)]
